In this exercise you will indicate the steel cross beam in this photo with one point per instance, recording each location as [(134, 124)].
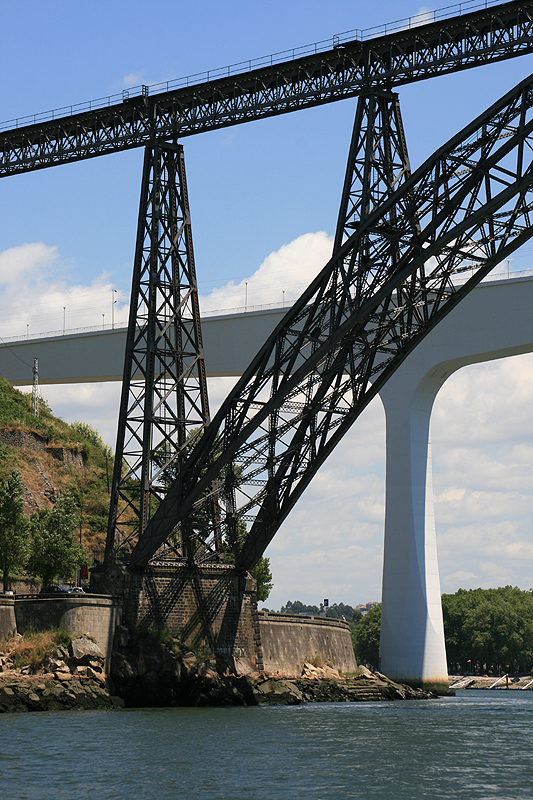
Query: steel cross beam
[(353, 326), (164, 405), (491, 34)]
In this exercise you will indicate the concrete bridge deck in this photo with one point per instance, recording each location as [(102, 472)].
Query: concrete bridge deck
[(230, 343), (231, 340)]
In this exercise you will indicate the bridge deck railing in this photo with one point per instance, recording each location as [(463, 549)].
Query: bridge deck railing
[(223, 312), (242, 67)]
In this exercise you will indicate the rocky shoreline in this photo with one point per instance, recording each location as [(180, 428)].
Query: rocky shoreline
[(47, 693), (145, 673), (21, 693), (148, 673), (245, 690), (71, 678)]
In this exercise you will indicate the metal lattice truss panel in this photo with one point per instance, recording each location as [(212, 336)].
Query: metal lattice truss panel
[(480, 37), (377, 161), (387, 286), (164, 406)]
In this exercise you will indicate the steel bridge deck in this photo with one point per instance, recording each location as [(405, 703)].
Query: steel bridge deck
[(491, 34)]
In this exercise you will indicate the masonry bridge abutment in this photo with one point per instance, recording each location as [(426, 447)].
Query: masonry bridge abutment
[(493, 321)]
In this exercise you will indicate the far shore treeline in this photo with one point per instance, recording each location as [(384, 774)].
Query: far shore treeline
[(487, 631)]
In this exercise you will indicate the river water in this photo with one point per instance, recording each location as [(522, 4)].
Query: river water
[(476, 745)]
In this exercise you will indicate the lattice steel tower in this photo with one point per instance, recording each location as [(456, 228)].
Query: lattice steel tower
[(164, 406)]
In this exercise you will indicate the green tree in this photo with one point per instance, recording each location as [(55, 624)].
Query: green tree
[(365, 637), (90, 434), (14, 527), (297, 607), (54, 551), (489, 628), (263, 576), (342, 611)]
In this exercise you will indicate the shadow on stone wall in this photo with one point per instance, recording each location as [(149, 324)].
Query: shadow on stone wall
[(211, 608)]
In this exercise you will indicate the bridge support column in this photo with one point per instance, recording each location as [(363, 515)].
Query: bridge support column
[(164, 405), (412, 646)]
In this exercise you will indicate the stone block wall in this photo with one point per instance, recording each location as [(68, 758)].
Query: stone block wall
[(32, 441), (97, 615), (289, 640), (213, 605), (8, 621)]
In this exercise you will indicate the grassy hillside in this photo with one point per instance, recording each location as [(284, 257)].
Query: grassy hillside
[(52, 456)]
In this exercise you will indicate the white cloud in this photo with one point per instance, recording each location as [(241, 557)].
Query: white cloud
[(460, 577), (50, 300), (481, 506), (482, 445), (132, 79), (19, 262), (422, 16), (494, 466), (331, 544), (281, 278), (95, 403), (486, 402)]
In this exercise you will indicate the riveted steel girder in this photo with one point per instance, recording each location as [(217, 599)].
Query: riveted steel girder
[(354, 325), (164, 405), (490, 34)]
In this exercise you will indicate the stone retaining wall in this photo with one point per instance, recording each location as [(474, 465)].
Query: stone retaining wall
[(97, 615), (32, 441), (289, 640), (8, 622), (214, 606)]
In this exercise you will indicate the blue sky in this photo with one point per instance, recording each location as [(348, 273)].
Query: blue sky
[(67, 234), (253, 188)]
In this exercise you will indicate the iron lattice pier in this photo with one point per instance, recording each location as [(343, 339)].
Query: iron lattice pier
[(164, 406)]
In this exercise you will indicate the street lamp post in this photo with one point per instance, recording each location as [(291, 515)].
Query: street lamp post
[(113, 301)]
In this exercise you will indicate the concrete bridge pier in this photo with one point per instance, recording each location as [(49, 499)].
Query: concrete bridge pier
[(494, 321), (412, 646)]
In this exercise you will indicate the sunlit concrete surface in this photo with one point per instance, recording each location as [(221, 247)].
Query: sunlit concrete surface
[(230, 343), (494, 321)]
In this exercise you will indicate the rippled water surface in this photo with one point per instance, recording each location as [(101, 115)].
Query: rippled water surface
[(476, 745)]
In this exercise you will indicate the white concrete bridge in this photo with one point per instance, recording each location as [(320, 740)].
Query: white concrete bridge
[(493, 321)]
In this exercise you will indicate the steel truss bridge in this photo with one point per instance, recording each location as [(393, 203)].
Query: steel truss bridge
[(202, 490)]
